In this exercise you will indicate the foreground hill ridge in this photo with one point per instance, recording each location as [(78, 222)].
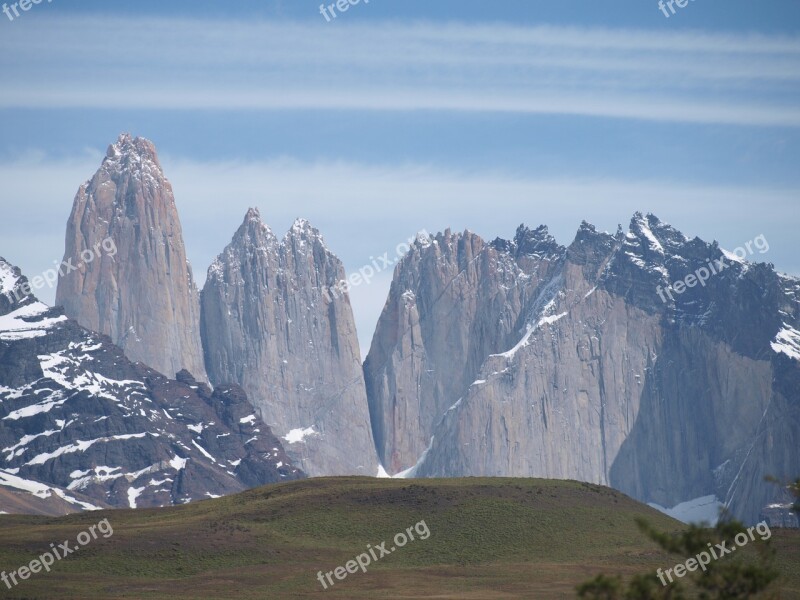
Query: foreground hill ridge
[(489, 538), (512, 357)]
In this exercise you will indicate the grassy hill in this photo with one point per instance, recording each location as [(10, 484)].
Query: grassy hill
[(489, 539)]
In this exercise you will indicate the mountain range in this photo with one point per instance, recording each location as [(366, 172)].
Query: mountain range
[(512, 357)]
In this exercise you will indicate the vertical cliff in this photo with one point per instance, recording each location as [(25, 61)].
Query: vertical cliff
[(603, 377), (125, 272), (268, 326)]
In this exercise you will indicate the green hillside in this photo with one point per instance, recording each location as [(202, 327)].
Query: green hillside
[(488, 539)]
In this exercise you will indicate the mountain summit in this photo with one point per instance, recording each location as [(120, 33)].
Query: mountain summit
[(607, 361), (132, 280), (268, 326)]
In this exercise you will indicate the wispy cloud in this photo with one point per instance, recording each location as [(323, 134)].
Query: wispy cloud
[(176, 64)]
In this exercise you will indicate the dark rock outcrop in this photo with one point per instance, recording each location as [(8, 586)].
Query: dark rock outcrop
[(77, 415)]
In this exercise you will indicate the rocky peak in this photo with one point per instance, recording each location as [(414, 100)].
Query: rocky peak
[(454, 300), (134, 157), (303, 237), (273, 323), (641, 232), (591, 250), (254, 232), (129, 149), (76, 414), (302, 228), (14, 290), (576, 369), (132, 280)]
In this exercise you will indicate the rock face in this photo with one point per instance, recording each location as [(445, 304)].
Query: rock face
[(569, 364), (268, 326), (125, 272), (454, 300), (81, 424)]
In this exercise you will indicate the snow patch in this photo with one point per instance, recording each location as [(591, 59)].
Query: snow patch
[(530, 331), (19, 449), (81, 446), (56, 399), (731, 256), (39, 490), (412, 472), (705, 509), (203, 451), (648, 234), (787, 342), (8, 280), (295, 436), (13, 327), (178, 463), (133, 494)]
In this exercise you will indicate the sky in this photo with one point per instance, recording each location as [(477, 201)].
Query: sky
[(401, 115)]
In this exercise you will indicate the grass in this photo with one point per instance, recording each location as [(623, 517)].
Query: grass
[(490, 539)]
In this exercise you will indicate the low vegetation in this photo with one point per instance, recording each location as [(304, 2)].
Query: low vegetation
[(490, 539)]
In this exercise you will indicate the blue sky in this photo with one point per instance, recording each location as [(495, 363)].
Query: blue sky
[(401, 115)]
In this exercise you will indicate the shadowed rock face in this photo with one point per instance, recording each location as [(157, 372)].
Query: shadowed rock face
[(78, 416), (454, 300), (138, 287), (268, 326), (588, 374)]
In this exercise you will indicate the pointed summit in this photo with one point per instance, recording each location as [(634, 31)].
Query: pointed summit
[(128, 145), (132, 281), (655, 233), (134, 155), (270, 324), (301, 225), (304, 230), (254, 231), (530, 242), (643, 228)]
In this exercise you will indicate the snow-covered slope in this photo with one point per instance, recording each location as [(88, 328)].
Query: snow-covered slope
[(18, 495), (77, 416)]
